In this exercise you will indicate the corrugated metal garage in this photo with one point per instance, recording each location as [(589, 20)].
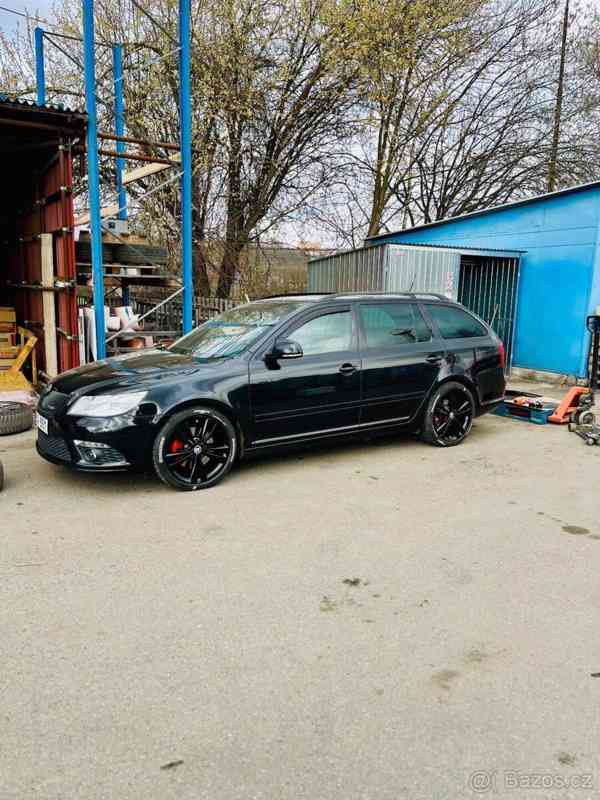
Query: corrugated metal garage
[(559, 276)]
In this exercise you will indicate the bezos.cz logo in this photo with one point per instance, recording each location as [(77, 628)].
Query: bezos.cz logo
[(484, 781)]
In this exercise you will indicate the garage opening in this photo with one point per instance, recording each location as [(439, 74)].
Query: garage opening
[(38, 279), (488, 287)]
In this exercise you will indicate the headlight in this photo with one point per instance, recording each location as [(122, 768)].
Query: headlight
[(106, 405)]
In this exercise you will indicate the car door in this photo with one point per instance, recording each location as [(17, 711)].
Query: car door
[(318, 392), (401, 360), (472, 350)]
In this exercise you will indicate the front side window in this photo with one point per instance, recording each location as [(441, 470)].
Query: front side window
[(233, 332), (329, 333), (387, 325), (454, 323)]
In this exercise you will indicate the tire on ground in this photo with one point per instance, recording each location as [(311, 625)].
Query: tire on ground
[(15, 418), (428, 434)]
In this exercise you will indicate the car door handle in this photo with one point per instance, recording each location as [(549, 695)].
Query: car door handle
[(434, 358), (348, 369)]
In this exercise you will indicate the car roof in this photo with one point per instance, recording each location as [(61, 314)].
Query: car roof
[(323, 296)]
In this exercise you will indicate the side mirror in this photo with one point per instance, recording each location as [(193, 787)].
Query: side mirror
[(286, 348)]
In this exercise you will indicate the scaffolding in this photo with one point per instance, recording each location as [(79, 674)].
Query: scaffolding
[(120, 140)]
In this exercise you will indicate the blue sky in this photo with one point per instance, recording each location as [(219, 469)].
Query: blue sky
[(37, 8)]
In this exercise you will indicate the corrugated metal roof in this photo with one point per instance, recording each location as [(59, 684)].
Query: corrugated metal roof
[(464, 251), (582, 187), (6, 100)]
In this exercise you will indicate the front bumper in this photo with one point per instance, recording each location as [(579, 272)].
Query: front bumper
[(89, 456), (83, 443)]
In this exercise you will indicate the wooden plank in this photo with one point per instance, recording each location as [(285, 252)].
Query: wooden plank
[(107, 211), (48, 306), (149, 169), (22, 357)]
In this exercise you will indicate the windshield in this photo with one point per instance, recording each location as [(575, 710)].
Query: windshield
[(234, 331)]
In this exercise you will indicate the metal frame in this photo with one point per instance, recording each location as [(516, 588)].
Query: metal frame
[(93, 152)]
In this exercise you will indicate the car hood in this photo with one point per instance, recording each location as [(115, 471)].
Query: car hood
[(131, 370)]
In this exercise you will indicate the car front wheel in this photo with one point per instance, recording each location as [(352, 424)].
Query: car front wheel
[(449, 415), (195, 449)]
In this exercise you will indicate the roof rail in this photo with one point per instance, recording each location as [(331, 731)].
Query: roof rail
[(412, 295), (293, 294), (430, 294), (375, 293)]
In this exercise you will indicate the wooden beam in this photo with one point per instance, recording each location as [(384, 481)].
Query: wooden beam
[(135, 157), (48, 305), (131, 140), (150, 169), (106, 211)]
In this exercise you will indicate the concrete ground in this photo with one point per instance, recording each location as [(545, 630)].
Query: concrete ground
[(371, 622)]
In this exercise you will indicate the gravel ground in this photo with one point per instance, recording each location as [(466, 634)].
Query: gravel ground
[(376, 621)]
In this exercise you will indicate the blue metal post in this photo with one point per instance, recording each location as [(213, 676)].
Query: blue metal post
[(185, 124), (117, 53), (40, 76), (89, 63)]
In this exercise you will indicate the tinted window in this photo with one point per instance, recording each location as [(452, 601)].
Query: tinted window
[(391, 324), (328, 333), (236, 330), (454, 323)]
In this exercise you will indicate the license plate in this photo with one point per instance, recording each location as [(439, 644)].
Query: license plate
[(42, 423)]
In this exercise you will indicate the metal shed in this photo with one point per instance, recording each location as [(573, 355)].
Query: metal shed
[(485, 281)]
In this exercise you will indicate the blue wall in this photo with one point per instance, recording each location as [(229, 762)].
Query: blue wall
[(560, 272)]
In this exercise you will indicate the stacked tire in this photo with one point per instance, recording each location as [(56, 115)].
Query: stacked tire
[(15, 418)]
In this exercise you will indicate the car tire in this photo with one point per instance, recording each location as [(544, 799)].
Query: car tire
[(15, 418), (449, 415), (190, 442)]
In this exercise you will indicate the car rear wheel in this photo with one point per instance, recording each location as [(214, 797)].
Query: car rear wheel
[(195, 449), (449, 415)]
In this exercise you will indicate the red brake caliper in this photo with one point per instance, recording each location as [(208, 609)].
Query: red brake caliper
[(176, 446)]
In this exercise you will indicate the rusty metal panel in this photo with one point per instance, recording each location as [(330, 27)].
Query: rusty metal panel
[(50, 211)]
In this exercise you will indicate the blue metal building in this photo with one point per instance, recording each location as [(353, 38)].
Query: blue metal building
[(559, 280)]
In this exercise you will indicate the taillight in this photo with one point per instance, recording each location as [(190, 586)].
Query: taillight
[(502, 354)]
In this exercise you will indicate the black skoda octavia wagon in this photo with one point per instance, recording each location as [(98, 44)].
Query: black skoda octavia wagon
[(275, 373)]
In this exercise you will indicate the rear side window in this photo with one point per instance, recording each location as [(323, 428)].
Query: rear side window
[(388, 325), (454, 323)]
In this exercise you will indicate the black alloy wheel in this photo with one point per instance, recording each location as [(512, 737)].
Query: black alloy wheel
[(195, 449), (449, 416)]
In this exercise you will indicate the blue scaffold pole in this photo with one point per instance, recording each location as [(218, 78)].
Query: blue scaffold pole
[(117, 53), (40, 74), (89, 62), (185, 123)]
